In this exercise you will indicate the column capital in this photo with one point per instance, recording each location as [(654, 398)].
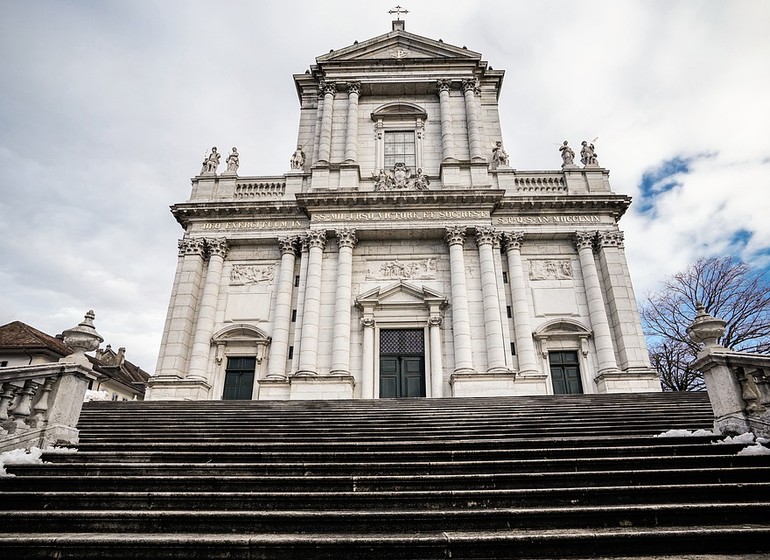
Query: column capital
[(435, 321), (192, 246), (444, 85), (486, 235), (217, 246), (346, 237), (354, 87), (329, 88), (610, 239), (513, 240), (472, 85), (455, 235), (288, 244), (584, 239), (316, 238)]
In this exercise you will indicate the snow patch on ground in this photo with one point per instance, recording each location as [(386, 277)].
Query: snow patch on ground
[(19, 457), (746, 438), (686, 433), (756, 449)]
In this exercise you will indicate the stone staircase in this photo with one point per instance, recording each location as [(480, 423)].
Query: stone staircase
[(530, 477)]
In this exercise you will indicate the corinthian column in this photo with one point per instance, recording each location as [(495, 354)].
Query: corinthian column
[(485, 237), (204, 326), (279, 345), (180, 317), (522, 324), (629, 337), (461, 324), (470, 90), (325, 138), (605, 353), (308, 358), (346, 240), (351, 135), (447, 134)]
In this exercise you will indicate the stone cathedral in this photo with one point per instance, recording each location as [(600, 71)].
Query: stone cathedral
[(402, 254)]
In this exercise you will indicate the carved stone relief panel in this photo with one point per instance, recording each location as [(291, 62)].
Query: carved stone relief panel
[(551, 269), (242, 274), (414, 269)]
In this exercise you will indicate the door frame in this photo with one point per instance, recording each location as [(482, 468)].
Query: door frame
[(424, 356)]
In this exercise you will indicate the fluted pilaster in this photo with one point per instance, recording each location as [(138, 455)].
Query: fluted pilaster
[(522, 323), (351, 134), (325, 137), (447, 133), (485, 238), (308, 358), (471, 89), (346, 241), (279, 345), (461, 325)]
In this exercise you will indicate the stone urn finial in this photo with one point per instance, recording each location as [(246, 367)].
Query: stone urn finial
[(82, 338), (706, 329)]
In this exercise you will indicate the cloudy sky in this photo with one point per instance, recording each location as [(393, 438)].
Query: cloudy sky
[(108, 107)]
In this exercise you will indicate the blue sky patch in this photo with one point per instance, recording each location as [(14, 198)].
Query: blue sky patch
[(659, 180)]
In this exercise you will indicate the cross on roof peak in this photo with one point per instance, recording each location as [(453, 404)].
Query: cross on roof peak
[(398, 10)]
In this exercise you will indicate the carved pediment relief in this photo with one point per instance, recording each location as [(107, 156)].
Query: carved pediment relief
[(399, 45), (416, 269)]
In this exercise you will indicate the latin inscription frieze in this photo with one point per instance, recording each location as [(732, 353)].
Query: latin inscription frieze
[(254, 225)]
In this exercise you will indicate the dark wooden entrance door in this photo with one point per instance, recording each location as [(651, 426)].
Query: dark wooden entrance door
[(565, 373), (239, 379), (402, 363)]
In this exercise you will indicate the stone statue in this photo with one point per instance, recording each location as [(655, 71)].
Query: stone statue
[(567, 155), (587, 154), (421, 181), (297, 160), (499, 155), (211, 162), (381, 181), (233, 162)]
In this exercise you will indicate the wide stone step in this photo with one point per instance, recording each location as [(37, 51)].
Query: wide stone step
[(750, 542), (456, 466), (388, 500), (185, 482), (368, 521), (255, 453)]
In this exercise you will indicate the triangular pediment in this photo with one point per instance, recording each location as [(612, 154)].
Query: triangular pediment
[(399, 45), (400, 294)]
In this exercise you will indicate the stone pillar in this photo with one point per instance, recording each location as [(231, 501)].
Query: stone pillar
[(325, 137), (180, 320), (304, 257), (522, 324), (351, 135), (346, 240), (204, 326), (461, 325), (436, 362), (367, 358), (308, 359), (471, 88), (629, 337), (493, 326), (447, 134), (605, 353), (279, 345)]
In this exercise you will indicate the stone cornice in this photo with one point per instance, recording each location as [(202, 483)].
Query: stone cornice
[(189, 211), (358, 199), (612, 204)]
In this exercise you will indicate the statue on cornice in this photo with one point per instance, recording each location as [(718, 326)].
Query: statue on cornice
[(567, 155), (382, 182), (421, 181), (499, 155), (401, 175), (233, 161), (297, 160), (588, 156), (211, 162)]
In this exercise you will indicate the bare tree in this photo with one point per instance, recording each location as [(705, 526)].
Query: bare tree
[(728, 289)]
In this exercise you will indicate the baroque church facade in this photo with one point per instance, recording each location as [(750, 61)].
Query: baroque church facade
[(401, 255)]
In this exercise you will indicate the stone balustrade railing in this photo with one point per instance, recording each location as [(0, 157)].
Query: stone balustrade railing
[(40, 404), (272, 188), (551, 183)]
